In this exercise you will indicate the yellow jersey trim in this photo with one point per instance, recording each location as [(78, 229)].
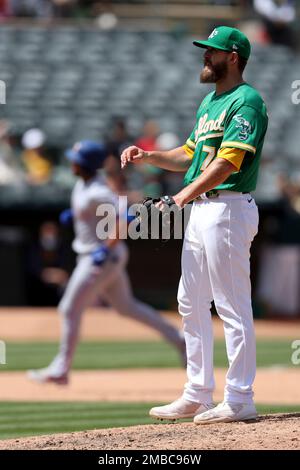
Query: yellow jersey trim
[(238, 145), (188, 151), (234, 156), (190, 144)]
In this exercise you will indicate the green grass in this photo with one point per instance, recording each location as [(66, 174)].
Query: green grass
[(27, 419), (19, 419), (124, 355)]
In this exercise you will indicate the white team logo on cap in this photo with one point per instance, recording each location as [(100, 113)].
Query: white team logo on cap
[(213, 34), (235, 47)]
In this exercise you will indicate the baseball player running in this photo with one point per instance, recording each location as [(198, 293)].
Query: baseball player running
[(101, 266), (221, 160)]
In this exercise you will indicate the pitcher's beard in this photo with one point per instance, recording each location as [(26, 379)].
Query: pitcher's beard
[(213, 73)]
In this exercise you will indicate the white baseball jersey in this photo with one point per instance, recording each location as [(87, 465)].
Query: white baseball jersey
[(86, 197)]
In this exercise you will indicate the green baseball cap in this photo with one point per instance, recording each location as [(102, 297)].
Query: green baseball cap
[(227, 39)]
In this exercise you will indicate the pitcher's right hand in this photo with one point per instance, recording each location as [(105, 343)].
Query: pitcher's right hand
[(132, 154)]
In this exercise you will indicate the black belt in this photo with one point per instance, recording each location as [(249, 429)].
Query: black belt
[(213, 193)]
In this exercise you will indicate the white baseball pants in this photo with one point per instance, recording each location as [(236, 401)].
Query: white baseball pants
[(216, 266), (111, 283)]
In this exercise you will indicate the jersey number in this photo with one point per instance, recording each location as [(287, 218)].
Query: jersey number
[(211, 153)]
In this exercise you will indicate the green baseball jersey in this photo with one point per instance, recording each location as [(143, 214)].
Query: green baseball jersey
[(235, 119)]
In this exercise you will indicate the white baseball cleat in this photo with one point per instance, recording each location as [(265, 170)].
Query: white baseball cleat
[(227, 412), (179, 409), (45, 375)]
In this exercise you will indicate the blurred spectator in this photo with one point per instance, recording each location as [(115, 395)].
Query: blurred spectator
[(116, 178), (117, 142), (41, 8), (107, 21), (152, 180), (45, 274), (119, 139), (4, 8), (278, 17), (147, 141), (167, 141), (151, 176), (37, 164), (105, 16), (64, 8), (35, 8), (290, 191), (10, 171)]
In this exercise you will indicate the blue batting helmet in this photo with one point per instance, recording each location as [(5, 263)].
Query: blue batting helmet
[(88, 154)]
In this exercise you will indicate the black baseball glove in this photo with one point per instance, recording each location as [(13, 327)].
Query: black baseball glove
[(158, 223)]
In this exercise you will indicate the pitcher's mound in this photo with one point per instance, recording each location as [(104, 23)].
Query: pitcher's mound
[(278, 431)]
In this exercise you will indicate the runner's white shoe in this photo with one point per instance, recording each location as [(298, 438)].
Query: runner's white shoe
[(46, 375)]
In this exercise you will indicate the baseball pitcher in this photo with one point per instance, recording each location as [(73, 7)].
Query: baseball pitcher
[(221, 160)]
